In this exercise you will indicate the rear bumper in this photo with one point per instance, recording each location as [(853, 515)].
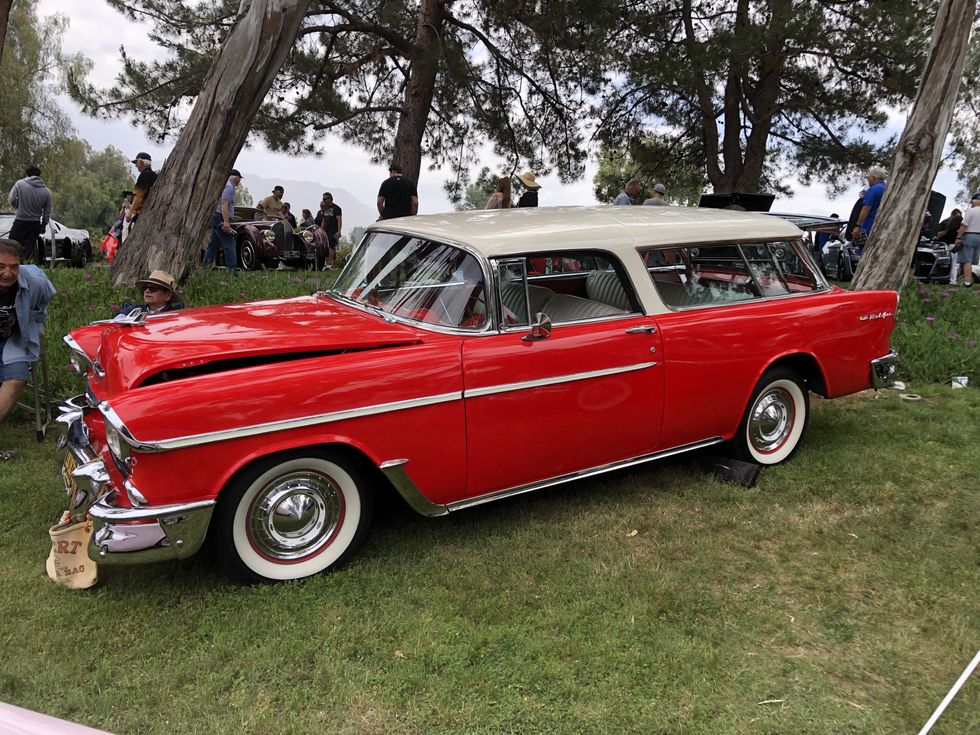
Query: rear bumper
[(883, 370)]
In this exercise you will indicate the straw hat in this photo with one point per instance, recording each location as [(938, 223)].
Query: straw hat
[(527, 178), (159, 278)]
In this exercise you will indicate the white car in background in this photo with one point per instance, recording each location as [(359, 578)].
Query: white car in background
[(71, 245)]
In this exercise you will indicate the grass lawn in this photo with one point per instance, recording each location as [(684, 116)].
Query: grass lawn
[(839, 595)]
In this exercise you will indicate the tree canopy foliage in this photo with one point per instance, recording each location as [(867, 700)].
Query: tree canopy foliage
[(87, 186), (749, 87), (965, 139), (435, 78), (32, 127), (653, 159)]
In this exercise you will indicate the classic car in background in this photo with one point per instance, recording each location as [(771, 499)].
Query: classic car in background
[(452, 349), (71, 246), (264, 243), (839, 260)]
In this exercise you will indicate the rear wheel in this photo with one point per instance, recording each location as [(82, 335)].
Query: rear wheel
[(291, 516), (775, 420)]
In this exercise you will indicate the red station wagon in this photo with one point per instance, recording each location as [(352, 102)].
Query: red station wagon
[(449, 346)]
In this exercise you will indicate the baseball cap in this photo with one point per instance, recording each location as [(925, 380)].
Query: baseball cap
[(141, 156), (660, 189), (235, 172)]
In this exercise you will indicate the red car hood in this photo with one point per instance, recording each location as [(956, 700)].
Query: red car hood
[(192, 338)]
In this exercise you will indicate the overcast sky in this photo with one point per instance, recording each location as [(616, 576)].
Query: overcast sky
[(97, 31)]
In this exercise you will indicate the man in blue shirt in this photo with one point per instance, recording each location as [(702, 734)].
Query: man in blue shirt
[(872, 200), (221, 232), (24, 296)]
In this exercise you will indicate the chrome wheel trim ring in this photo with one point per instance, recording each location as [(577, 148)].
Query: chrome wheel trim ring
[(772, 420), (295, 516)]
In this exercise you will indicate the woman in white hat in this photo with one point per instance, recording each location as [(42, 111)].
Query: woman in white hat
[(530, 197), (159, 296)]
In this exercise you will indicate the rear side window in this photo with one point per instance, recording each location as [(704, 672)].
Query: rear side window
[(720, 274)]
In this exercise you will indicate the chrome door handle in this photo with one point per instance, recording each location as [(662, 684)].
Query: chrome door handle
[(641, 329)]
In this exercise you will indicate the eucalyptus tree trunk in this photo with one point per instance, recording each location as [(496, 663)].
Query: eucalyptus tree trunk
[(886, 258), (172, 226), (4, 15), (420, 89)]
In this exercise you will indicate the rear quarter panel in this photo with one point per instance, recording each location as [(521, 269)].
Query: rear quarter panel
[(714, 357)]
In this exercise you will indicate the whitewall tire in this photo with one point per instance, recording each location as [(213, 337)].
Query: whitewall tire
[(292, 516), (775, 420)]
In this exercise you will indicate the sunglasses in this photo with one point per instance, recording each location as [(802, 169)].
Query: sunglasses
[(153, 288)]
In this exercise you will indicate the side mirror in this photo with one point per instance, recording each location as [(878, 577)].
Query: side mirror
[(540, 328)]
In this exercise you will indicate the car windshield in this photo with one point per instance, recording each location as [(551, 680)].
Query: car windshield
[(417, 279)]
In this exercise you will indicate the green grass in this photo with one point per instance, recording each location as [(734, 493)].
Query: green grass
[(837, 596)]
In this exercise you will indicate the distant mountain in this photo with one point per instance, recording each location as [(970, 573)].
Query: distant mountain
[(306, 195)]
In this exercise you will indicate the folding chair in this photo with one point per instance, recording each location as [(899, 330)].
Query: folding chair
[(40, 393)]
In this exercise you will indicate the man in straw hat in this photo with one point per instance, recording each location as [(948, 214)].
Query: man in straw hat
[(159, 296), (530, 197)]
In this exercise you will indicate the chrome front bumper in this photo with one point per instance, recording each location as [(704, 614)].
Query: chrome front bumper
[(125, 535), (883, 370), (146, 534)]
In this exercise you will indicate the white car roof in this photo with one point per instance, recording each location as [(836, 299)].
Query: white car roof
[(502, 232)]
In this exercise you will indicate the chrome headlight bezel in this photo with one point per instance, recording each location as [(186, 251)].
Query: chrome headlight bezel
[(307, 236), (118, 445), (268, 235)]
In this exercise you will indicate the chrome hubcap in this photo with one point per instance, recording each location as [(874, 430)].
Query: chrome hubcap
[(295, 515), (771, 421)]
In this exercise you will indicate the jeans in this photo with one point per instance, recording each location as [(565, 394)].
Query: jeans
[(225, 239)]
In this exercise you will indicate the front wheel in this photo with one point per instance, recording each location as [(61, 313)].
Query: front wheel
[(775, 420), (291, 516), (249, 256)]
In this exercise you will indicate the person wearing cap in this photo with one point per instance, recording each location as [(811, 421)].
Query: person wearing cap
[(398, 196), (31, 201), (271, 206), (144, 182), (625, 197), (25, 293), (221, 233), (159, 296), (531, 186), (656, 196), (967, 244)]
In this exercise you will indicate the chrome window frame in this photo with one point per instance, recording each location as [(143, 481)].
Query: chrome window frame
[(398, 318)]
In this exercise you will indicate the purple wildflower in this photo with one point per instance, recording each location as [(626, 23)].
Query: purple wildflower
[(114, 307), (925, 301), (88, 276), (70, 368), (953, 335), (922, 292), (971, 342), (930, 318)]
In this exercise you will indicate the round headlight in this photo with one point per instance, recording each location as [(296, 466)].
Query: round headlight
[(307, 236), (268, 235)]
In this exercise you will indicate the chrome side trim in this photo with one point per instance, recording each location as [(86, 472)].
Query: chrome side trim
[(395, 471), (541, 382), (216, 436)]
